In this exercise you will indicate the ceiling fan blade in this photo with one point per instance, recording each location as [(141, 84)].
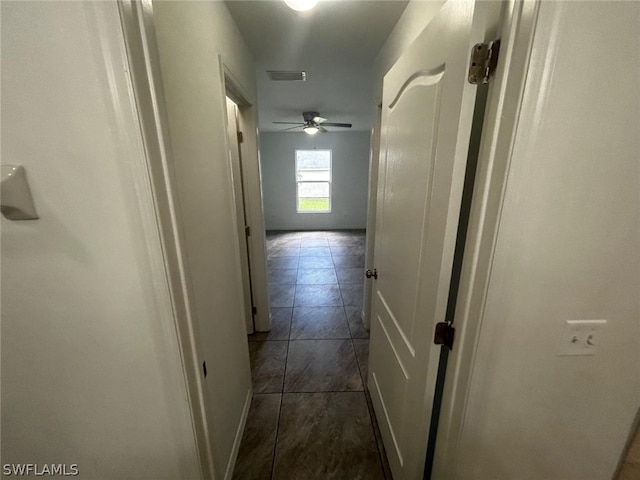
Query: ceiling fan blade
[(330, 124), (318, 120), (290, 123), (322, 129), (290, 128)]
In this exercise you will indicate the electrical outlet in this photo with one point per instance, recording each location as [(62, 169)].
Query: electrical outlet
[(580, 337)]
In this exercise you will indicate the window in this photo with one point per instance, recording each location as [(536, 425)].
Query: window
[(313, 177)]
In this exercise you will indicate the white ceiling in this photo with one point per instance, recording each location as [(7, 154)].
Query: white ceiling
[(335, 43)]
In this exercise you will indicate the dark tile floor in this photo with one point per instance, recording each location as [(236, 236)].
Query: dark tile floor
[(311, 417), (630, 468)]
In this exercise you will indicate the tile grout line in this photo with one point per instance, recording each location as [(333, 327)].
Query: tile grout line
[(379, 446), (364, 385), (282, 393), (275, 440), (284, 378), (367, 398)]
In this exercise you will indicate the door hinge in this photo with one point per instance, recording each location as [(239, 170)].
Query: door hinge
[(254, 310), (370, 274), (204, 368), (247, 230), (483, 62), (240, 137), (444, 334)]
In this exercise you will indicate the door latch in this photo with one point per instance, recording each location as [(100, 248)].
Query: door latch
[(370, 274)]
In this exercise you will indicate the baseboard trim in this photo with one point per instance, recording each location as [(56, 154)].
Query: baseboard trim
[(239, 432), (293, 228), (363, 317)]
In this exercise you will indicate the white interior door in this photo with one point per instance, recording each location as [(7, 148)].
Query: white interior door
[(238, 191), (426, 122)]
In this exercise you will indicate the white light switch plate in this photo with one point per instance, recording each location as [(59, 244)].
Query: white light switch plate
[(580, 337)]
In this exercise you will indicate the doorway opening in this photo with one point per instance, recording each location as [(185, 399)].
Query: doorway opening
[(241, 118), (314, 358), (309, 372), (244, 230)]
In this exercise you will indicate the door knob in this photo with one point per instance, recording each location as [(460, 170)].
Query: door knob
[(370, 274)]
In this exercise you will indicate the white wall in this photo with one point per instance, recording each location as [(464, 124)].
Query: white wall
[(350, 175), (567, 248), (191, 36), (91, 372)]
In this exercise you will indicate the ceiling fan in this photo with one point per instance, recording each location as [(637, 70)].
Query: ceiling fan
[(313, 123)]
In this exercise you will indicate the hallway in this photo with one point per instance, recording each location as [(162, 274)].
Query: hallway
[(310, 416)]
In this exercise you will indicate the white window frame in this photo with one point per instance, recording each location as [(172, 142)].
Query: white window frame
[(298, 182)]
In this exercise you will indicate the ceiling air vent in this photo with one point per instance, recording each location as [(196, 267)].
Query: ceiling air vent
[(282, 76)]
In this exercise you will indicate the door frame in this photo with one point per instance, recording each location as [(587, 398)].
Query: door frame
[(487, 20), (144, 69), (138, 25), (247, 113), (499, 129), (233, 138), (372, 205)]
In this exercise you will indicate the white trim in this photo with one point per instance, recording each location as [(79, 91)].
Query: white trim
[(500, 126), (298, 182), (252, 184), (139, 31), (234, 89), (238, 438), (297, 228), (237, 236), (374, 162), (240, 209)]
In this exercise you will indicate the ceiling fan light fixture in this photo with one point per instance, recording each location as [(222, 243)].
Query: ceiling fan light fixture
[(310, 129), (301, 5)]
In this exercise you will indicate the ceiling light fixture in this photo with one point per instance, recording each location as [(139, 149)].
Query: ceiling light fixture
[(301, 5), (310, 129)]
